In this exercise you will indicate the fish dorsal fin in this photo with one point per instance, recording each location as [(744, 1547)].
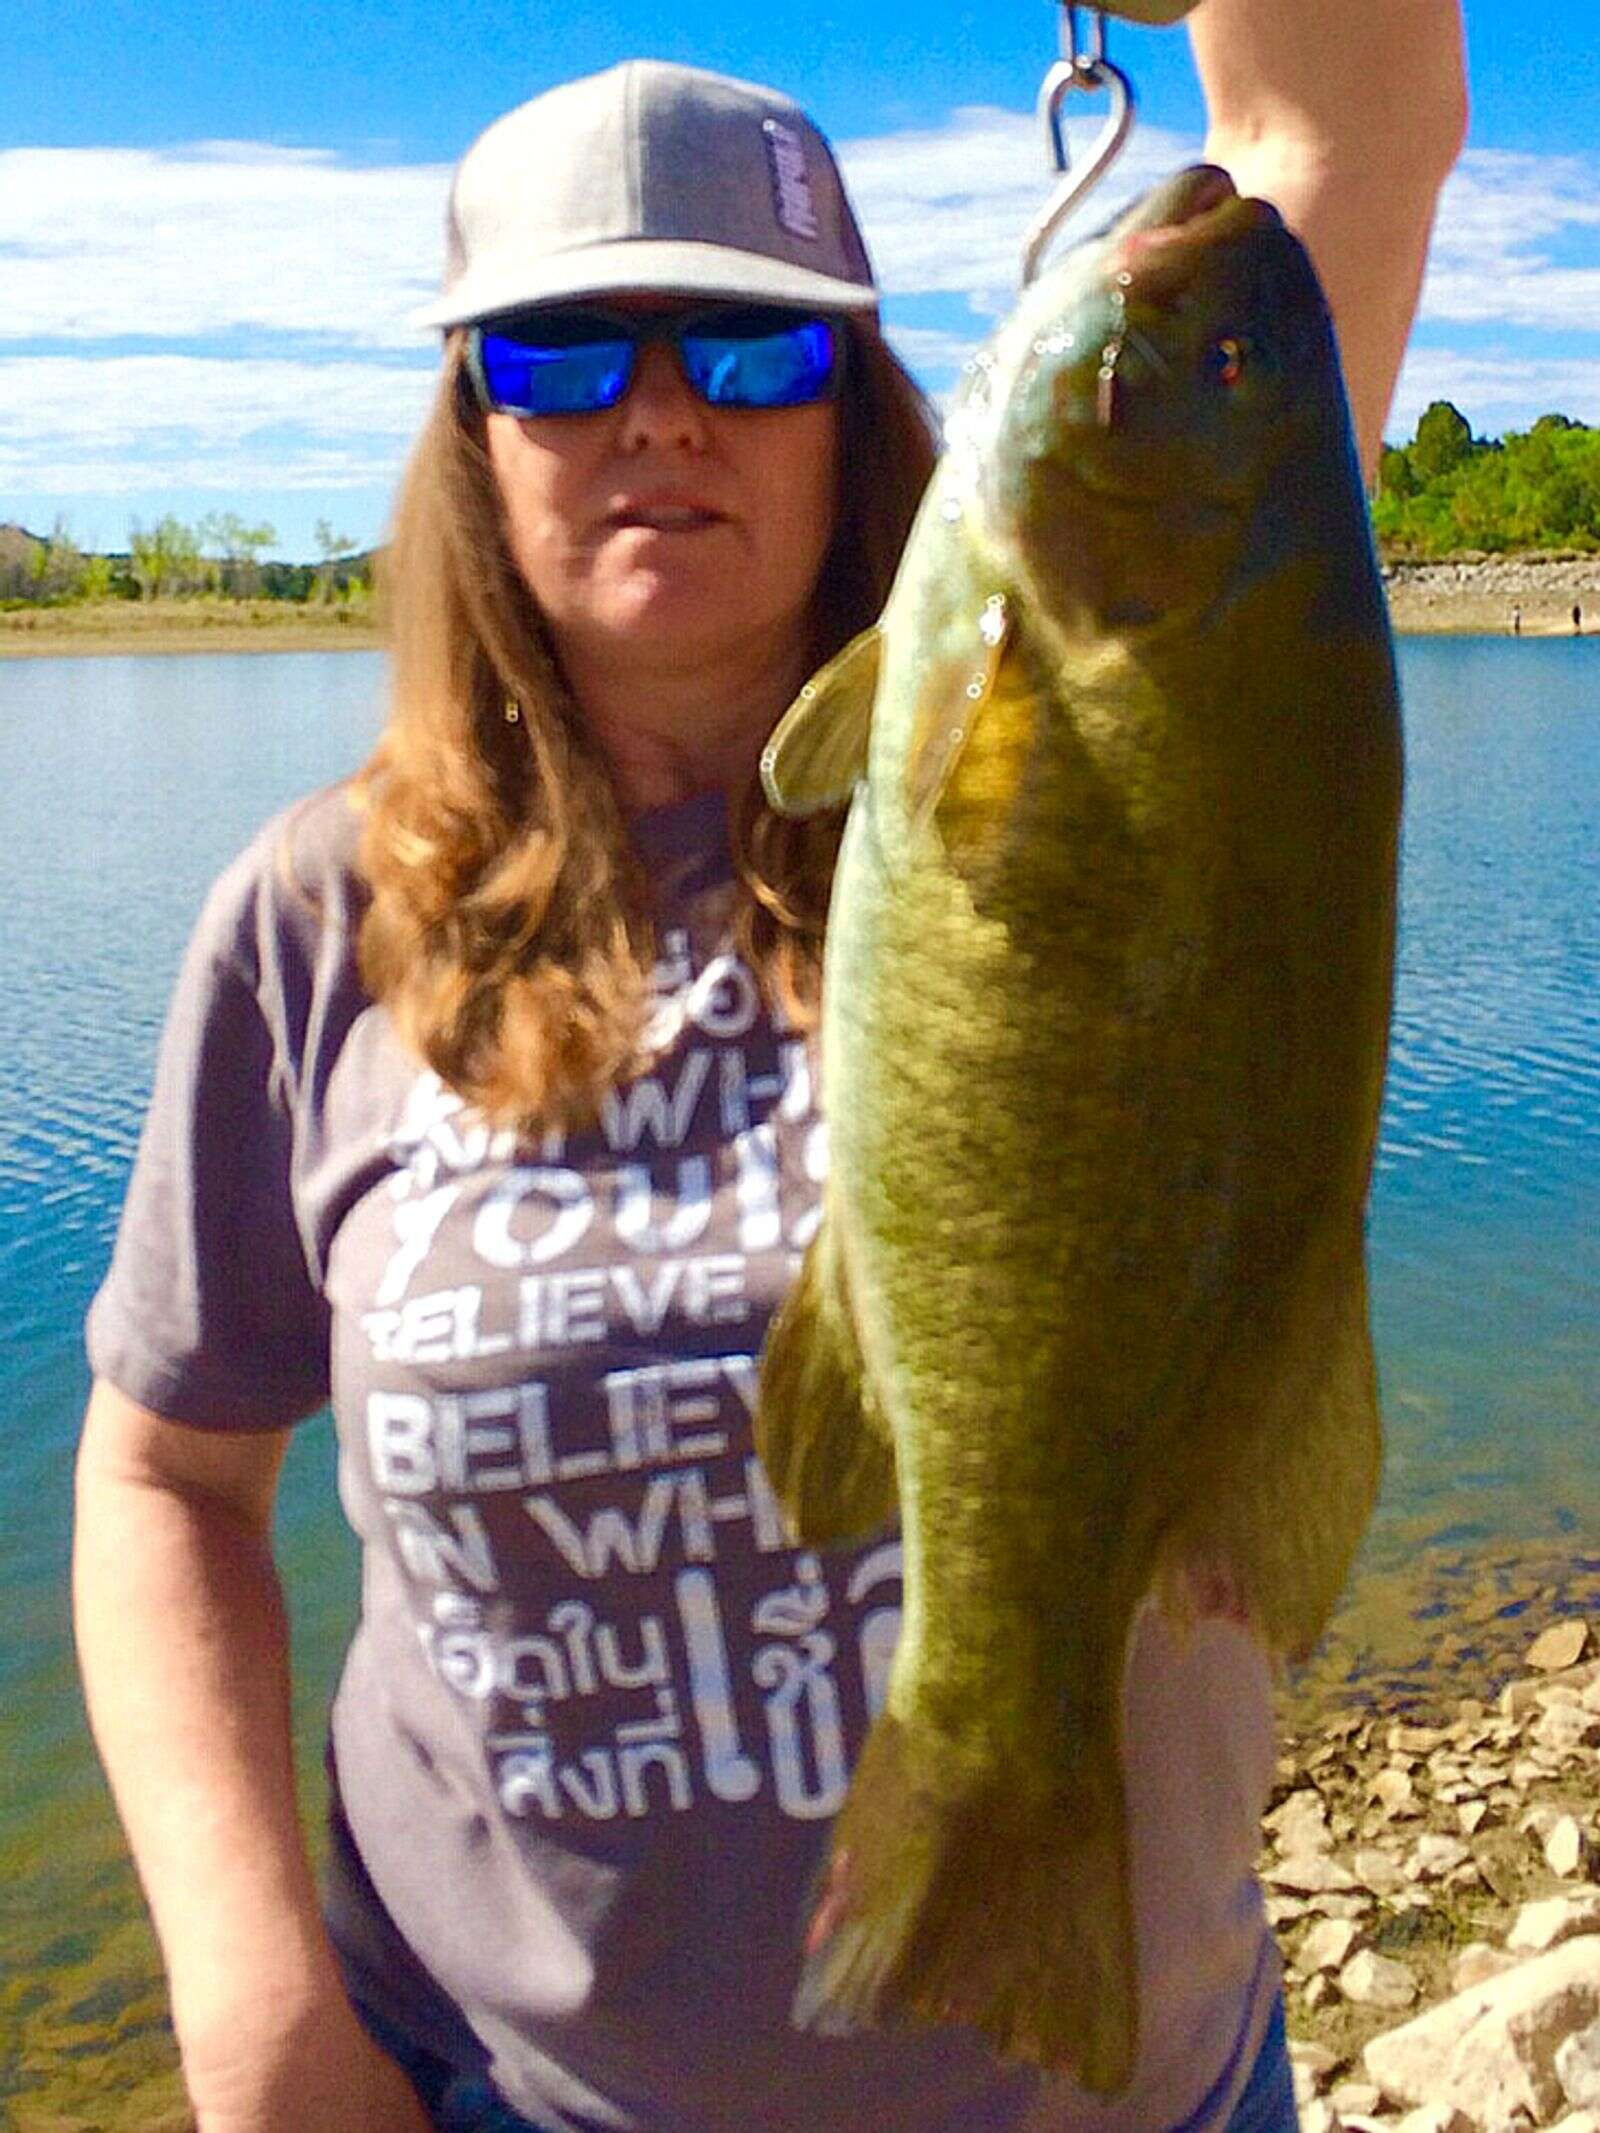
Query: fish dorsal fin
[(945, 721), (818, 751)]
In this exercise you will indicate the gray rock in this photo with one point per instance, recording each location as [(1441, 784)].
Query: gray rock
[(1566, 1849), (1477, 1963), (1418, 1740), (1394, 1792), (1519, 1699), (1308, 1873), (1356, 2098), (1378, 1870), (1560, 1646), (1306, 2084), (1317, 2058), (1333, 1903), (1328, 1946), (1544, 1925), (1300, 1823), (1435, 2118), (1371, 1980), (1578, 2068), (1491, 2050), (1435, 1856), (1538, 1820), (1319, 2117), (1561, 1727)]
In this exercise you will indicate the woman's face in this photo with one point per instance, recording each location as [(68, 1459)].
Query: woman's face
[(665, 533)]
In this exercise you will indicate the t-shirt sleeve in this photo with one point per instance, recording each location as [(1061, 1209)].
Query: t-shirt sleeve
[(210, 1314)]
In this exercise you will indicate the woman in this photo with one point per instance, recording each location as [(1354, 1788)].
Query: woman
[(482, 1104)]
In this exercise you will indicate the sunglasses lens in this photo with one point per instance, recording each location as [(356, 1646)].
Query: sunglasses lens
[(576, 363), (765, 364), (554, 378)]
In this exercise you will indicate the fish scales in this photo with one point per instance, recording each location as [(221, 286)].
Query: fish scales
[(1109, 969)]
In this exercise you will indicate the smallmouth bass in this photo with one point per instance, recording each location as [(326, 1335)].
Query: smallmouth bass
[(1106, 1001)]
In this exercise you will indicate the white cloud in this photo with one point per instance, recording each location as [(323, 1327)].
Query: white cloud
[(1500, 216), (264, 249), (1498, 389), (114, 425), (221, 237), (946, 208), (226, 237)]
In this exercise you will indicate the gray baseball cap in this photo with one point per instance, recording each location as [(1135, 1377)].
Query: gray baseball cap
[(650, 176)]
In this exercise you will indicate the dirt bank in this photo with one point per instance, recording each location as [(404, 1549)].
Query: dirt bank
[(1483, 596), (1476, 597), (124, 626)]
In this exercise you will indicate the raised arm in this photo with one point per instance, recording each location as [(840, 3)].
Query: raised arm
[(1348, 115)]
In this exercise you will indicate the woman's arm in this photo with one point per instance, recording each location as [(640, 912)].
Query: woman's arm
[(184, 1650), (1348, 115)]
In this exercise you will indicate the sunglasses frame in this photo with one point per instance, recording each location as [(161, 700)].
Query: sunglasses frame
[(640, 330)]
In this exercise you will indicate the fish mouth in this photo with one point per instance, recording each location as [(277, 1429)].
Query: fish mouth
[(1153, 257)]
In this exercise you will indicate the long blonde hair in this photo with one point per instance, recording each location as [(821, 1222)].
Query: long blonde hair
[(509, 931)]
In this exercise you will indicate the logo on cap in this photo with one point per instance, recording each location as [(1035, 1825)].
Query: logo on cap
[(791, 182)]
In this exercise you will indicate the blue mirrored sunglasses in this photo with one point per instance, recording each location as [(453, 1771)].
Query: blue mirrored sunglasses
[(580, 362)]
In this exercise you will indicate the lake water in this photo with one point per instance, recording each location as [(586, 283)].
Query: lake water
[(125, 784)]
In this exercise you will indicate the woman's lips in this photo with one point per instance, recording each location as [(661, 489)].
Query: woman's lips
[(664, 516)]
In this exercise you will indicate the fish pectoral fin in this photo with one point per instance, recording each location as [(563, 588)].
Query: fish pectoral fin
[(970, 748), (818, 751), (825, 1446)]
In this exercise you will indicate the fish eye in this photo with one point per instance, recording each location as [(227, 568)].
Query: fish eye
[(1227, 359)]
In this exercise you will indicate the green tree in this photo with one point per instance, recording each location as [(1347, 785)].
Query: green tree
[(1395, 477), (238, 547), (1443, 441), (55, 565), (166, 560), (98, 573), (1534, 489), (333, 548)]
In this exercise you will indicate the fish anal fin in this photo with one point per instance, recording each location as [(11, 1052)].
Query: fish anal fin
[(817, 754), (1276, 1504), (825, 1447)]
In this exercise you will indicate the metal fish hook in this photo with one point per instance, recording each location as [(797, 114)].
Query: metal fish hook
[(1083, 67)]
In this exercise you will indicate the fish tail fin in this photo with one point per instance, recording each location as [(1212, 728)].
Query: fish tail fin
[(985, 1900), (825, 1448), (1274, 1518)]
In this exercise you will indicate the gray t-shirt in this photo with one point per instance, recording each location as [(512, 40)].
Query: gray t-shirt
[(598, 1713)]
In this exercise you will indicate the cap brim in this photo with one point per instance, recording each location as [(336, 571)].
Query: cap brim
[(641, 263)]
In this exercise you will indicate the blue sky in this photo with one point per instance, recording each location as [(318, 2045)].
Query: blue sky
[(214, 226)]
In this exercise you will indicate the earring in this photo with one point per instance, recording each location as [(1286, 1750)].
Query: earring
[(513, 710)]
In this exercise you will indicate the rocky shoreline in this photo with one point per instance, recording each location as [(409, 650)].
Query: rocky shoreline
[(1476, 595), (1482, 595), (1431, 1874)]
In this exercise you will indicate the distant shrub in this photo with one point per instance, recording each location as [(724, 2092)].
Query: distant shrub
[(1448, 490)]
